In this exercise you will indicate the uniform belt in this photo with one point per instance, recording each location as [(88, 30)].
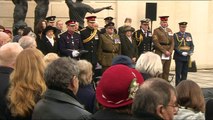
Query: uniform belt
[(108, 51), (165, 43)]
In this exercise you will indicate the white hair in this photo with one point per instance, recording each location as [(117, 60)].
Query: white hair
[(27, 42), (149, 63)]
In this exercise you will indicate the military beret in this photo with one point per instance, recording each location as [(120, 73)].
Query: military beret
[(108, 18), (70, 23), (110, 24), (182, 23), (164, 18), (50, 18), (145, 20), (91, 18)]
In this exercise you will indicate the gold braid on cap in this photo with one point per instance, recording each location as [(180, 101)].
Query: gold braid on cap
[(139, 39)]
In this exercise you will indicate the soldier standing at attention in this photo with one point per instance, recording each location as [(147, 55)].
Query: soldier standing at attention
[(143, 37), (184, 48), (109, 46), (70, 42), (90, 38), (164, 44)]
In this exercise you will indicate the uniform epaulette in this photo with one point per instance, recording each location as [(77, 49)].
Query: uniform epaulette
[(83, 29), (77, 32), (60, 34)]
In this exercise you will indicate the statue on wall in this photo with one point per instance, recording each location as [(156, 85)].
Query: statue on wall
[(78, 10), (20, 12)]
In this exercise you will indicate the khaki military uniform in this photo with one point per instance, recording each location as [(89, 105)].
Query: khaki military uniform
[(163, 41), (108, 48)]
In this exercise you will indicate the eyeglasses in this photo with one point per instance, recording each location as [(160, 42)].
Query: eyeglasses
[(175, 106)]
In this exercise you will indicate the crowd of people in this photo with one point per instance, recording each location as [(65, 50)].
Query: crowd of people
[(50, 73)]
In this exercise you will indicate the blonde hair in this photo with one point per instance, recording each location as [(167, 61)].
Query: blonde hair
[(50, 57), (190, 95), (85, 72), (149, 63), (27, 82)]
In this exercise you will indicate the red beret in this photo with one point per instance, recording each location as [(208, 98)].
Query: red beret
[(117, 86), (91, 18), (164, 18)]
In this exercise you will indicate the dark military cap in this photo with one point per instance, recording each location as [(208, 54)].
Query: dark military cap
[(182, 23), (49, 28), (110, 24), (70, 23), (128, 28), (164, 18), (108, 18), (145, 21), (50, 18), (91, 18)]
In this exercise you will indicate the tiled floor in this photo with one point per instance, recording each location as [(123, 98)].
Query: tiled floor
[(204, 78)]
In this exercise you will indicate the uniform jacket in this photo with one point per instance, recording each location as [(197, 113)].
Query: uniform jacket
[(46, 47), (59, 105), (179, 39), (128, 48), (108, 48), (145, 44), (90, 46), (69, 42), (163, 41), (108, 114), (187, 114), (4, 85)]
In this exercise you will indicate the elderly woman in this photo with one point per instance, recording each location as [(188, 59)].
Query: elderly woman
[(86, 92), (149, 65)]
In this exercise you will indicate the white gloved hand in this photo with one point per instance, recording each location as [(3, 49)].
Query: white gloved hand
[(184, 53), (75, 53)]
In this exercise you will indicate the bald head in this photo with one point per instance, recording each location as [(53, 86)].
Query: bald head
[(4, 38), (27, 42), (8, 54)]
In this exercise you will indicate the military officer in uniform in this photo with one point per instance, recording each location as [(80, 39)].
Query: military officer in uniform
[(107, 20), (143, 37), (90, 39), (70, 42), (164, 44), (50, 21), (128, 44), (184, 48), (109, 46)]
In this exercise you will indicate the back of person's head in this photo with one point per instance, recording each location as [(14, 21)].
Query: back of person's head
[(27, 42), (85, 72), (60, 73), (153, 96), (149, 63), (4, 38), (50, 57), (209, 109), (27, 82), (9, 53), (186, 96), (117, 86)]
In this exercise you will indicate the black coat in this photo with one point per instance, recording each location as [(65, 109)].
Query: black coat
[(108, 114), (59, 105), (4, 84), (128, 48), (145, 116), (46, 47)]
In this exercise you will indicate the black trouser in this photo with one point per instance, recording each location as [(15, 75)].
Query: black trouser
[(181, 70)]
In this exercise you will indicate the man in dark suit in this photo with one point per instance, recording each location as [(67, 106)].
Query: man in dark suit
[(128, 44), (70, 42), (8, 54), (184, 48), (143, 37), (164, 44)]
